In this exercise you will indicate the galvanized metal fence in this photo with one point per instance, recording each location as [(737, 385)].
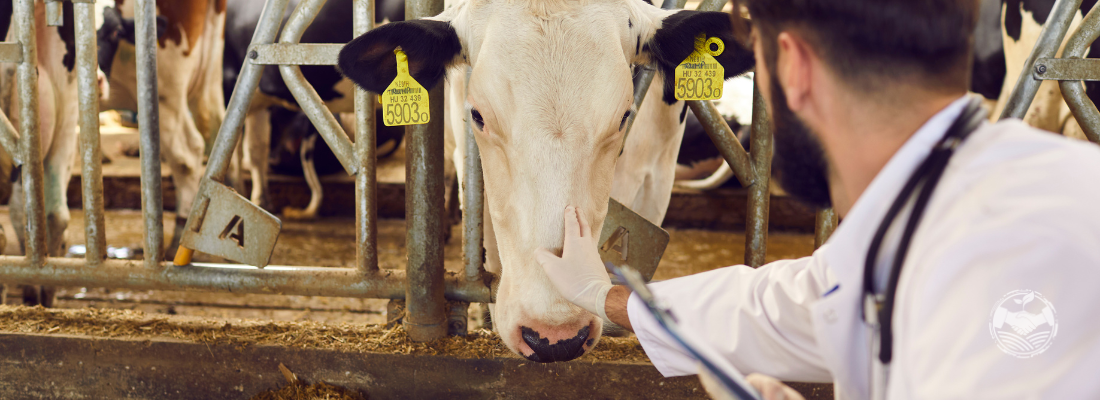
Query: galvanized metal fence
[(425, 285)]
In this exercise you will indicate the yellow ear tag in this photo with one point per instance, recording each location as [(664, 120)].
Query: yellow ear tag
[(404, 102), (700, 76)]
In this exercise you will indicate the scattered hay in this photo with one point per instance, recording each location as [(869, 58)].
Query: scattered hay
[(131, 324), (299, 390)]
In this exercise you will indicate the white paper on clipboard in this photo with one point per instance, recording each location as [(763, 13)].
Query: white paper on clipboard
[(727, 377)]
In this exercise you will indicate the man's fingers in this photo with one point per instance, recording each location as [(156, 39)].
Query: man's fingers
[(586, 231), (545, 257), (771, 388), (572, 226)]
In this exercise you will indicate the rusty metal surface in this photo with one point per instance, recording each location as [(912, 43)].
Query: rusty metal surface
[(77, 367), (91, 158), (725, 140), (1083, 109), (297, 54), (824, 226), (426, 319), (366, 181), (30, 142), (303, 281), (1067, 69), (628, 239), (307, 96), (152, 202), (756, 221), (1050, 39), (228, 225)]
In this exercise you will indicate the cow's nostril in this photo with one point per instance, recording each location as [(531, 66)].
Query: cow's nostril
[(563, 350)]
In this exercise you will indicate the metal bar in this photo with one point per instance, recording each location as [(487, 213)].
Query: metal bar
[(53, 13), (711, 5), (1050, 39), (1067, 69), (297, 54), (152, 198), (230, 131), (1074, 91), (824, 225), (11, 52), (726, 141), (473, 201), (641, 87), (307, 97), (426, 309), (756, 221), (366, 181), (91, 173), (673, 4), (296, 281), (29, 140)]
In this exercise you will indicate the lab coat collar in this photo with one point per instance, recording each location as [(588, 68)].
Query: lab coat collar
[(843, 337)]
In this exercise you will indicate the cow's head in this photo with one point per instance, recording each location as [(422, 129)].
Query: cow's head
[(548, 97)]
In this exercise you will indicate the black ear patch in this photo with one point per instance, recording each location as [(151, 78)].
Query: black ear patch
[(430, 45), (675, 40)]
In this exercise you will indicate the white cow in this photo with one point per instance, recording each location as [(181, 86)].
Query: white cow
[(549, 93)]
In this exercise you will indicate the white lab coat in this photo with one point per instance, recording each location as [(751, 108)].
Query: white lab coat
[(1017, 208)]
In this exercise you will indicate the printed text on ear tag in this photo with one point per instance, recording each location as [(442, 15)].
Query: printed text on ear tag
[(700, 76), (404, 102)]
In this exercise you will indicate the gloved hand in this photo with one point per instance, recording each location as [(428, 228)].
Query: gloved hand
[(579, 274)]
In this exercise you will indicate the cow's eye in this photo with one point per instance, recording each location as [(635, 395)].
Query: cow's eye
[(478, 121), (625, 118)]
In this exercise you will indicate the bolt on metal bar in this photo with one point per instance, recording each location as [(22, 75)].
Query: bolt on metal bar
[(307, 96), (152, 198), (297, 54), (236, 278), (29, 140), (473, 218), (824, 225), (1067, 69), (91, 174), (426, 309), (1050, 39), (366, 181), (1074, 91), (756, 221), (726, 141)]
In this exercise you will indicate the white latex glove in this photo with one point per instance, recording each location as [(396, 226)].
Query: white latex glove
[(579, 274), (772, 389)]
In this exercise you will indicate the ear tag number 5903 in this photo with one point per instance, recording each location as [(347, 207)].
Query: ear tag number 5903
[(700, 76), (404, 102)]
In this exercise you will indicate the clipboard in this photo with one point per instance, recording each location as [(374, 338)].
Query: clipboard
[(728, 377)]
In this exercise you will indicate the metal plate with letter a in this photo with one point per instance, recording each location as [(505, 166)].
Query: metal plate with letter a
[(629, 239), (227, 225)]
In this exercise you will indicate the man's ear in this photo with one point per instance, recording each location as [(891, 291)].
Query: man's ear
[(675, 40), (431, 46)]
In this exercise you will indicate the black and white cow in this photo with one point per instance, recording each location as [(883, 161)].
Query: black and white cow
[(549, 93)]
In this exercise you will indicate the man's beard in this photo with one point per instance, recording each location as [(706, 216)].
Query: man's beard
[(799, 164)]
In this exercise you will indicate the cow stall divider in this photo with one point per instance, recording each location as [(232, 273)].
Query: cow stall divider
[(224, 223)]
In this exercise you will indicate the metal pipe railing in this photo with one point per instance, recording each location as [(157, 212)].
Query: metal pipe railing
[(1050, 39), (473, 200), (152, 198), (308, 99), (726, 141), (296, 281), (425, 308), (30, 141), (824, 225), (756, 221), (1074, 91), (91, 173), (366, 181)]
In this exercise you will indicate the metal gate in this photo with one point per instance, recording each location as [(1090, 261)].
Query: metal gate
[(219, 211)]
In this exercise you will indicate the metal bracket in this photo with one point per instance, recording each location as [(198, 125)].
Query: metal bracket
[(1067, 69), (228, 225), (295, 54), (622, 226)]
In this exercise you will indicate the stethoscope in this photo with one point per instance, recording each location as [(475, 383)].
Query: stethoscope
[(878, 309)]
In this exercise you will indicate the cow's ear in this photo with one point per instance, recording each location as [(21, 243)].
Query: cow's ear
[(674, 40), (431, 46)]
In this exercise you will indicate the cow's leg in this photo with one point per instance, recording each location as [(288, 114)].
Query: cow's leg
[(314, 182), (181, 146), (257, 133)]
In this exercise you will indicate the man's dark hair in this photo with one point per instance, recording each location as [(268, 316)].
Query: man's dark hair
[(867, 42)]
